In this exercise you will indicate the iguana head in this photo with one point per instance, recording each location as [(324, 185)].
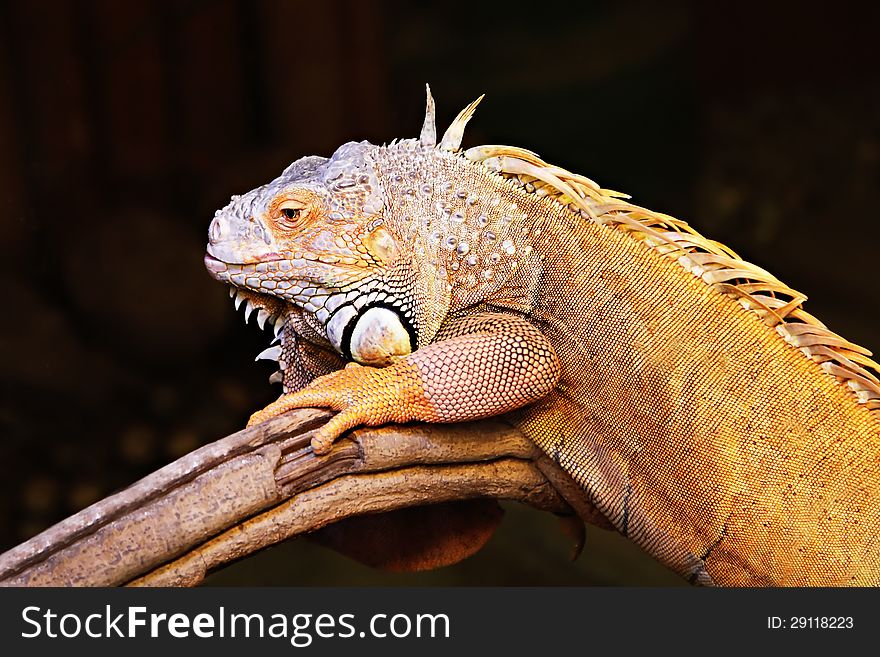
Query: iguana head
[(319, 237), (314, 237)]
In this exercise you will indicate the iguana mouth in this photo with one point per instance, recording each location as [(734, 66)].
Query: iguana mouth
[(213, 264), (286, 278), (224, 271)]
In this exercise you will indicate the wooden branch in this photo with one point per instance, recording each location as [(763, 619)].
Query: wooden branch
[(263, 485)]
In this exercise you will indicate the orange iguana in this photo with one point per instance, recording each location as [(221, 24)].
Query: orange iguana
[(708, 417)]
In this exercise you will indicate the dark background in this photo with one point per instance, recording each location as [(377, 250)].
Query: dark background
[(124, 125)]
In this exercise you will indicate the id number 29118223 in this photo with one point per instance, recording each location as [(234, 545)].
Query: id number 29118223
[(810, 623)]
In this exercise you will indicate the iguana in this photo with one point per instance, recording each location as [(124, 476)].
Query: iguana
[(704, 413)]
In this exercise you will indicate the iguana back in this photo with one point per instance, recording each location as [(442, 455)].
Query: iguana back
[(696, 428)]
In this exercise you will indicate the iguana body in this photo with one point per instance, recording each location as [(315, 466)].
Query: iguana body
[(702, 411)]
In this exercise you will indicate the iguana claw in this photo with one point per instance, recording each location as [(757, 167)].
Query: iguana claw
[(362, 395)]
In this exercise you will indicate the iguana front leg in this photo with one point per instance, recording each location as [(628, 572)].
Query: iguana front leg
[(480, 366)]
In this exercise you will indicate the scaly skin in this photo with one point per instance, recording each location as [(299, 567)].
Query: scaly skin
[(702, 411)]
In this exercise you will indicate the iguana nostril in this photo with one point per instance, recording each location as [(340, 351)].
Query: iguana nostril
[(215, 232)]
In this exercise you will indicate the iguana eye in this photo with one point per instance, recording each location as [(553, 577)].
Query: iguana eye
[(292, 211)]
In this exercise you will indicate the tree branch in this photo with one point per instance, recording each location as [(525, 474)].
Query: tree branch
[(264, 484)]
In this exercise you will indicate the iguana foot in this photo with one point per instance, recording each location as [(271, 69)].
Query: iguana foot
[(362, 395)]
